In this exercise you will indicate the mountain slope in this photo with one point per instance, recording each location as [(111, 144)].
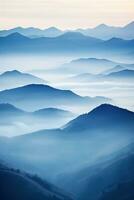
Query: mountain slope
[(129, 74), (105, 117), (106, 179), (23, 186), (114, 69), (14, 78), (79, 144), (121, 191), (7, 109), (36, 96)]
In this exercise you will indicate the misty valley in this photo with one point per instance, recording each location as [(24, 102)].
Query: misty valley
[(67, 114)]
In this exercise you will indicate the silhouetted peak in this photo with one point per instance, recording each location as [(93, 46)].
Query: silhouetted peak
[(52, 28), (72, 35), (115, 39), (107, 109), (101, 26), (12, 72), (16, 35)]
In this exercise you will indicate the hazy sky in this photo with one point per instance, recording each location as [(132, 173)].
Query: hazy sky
[(65, 13)]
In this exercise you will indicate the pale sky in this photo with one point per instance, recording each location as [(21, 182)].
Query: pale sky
[(65, 14)]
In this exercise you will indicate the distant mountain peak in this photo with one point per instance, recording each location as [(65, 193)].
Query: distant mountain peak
[(115, 39), (105, 114), (107, 109), (52, 28), (101, 26), (17, 35), (11, 72), (73, 35)]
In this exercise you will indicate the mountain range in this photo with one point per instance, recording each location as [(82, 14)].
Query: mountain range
[(37, 96), (33, 32), (77, 147), (70, 42), (101, 31), (118, 76), (106, 32), (93, 148), (91, 65)]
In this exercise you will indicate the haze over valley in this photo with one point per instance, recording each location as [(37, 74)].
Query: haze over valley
[(67, 112)]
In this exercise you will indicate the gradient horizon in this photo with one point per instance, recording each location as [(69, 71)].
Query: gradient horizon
[(67, 14)]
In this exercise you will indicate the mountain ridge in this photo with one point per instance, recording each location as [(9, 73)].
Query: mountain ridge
[(102, 31)]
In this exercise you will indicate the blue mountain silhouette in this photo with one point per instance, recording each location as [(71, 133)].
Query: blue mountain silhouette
[(36, 96), (15, 78), (104, 117)]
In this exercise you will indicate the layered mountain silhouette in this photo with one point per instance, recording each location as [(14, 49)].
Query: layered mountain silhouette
[(15, 121), (105, 32), (15, 78), (22, 186), (123, 74), (37, 96), (115, 69), (68, 42), (33, 32), (81, 144), (104, 118), (101, 31), (91, 65), (77, 156)]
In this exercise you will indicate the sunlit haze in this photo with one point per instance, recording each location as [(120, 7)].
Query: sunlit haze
[(65, 14)]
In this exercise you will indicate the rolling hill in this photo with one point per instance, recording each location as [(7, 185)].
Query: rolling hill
[(15, 121), (14, 78)]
